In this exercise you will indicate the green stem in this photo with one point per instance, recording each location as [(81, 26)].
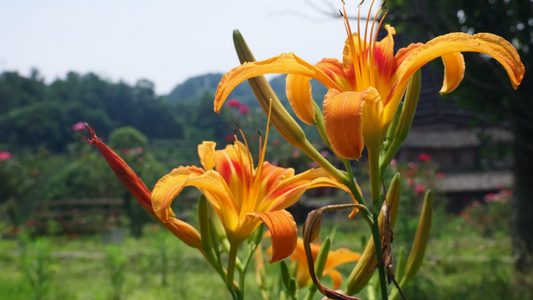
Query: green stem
[(311, 151), (232, 258), (375, 180), (244, 266), (311, 292), (379, 256), (350, 183)]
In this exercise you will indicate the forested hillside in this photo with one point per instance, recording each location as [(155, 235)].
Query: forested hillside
[(35, 114)]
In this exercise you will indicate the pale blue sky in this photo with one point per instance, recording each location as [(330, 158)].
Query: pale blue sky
[(164, 41)]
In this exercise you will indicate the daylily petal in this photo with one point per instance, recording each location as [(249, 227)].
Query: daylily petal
[(235, 165), (165, 190), (373, 129), (286, 63), (338, 72), (334, 259), (185, 232), (343, 120), (127, 176), (341, 256), (206, 152), (454, 71), (302, 272), (384, 59), (336, 278), (210, 184), (300, 98), (284, 233), (290, 190), (486, 43), (272, 176)]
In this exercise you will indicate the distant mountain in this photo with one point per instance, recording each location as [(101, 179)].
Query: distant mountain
[(194, 87)]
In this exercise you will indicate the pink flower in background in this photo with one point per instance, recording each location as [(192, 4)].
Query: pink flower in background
[(78, 126), (420, 189), (30, 223), (393, 164), (243, 109), (490, 197), (410, 182), (233, 103), (475, 204), (502, 196), (137, 150), (295, 154), (440, 175), (424, 157), (229, 138), (324, 153), (5, 155), (313, 165)]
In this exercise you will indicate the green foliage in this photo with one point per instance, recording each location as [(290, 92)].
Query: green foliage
[(486, 89), (89, 177), (459, 264), (115, 265), (36, 114), (19, 175), (36, 263), (127, 138), (490, 216)]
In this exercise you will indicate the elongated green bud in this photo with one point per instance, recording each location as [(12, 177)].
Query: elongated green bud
[(392, 128), (409, 107), (419, 245), (280, 118), (289, 282), (206, 232), (322, 256), (421, 238), (400, 265), (402, 124), (363, 271), (203, 222)]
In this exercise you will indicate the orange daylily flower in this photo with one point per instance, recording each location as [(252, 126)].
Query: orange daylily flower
[(366, 88), (335, 258), (242, 195), (185, 232)]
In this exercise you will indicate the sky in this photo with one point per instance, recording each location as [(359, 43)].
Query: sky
[(164, 41)]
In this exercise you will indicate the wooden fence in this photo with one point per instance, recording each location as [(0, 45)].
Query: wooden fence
[(78, 216)]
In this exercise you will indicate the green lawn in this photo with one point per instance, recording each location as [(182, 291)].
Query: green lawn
[(460, 264)]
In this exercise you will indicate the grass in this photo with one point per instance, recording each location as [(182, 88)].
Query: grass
[(460, 263), (80, 272)]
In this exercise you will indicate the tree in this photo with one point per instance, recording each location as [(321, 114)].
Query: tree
[(486, 88)]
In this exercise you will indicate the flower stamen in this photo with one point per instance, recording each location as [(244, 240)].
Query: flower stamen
[(355, 59)]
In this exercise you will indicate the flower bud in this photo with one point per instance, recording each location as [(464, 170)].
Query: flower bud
[(363, 271), (280, 117)]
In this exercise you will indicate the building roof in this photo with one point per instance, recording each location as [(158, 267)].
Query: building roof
[(453, 138), (474, 182)]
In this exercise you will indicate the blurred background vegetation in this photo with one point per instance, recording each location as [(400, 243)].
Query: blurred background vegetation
[(475, 249)]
